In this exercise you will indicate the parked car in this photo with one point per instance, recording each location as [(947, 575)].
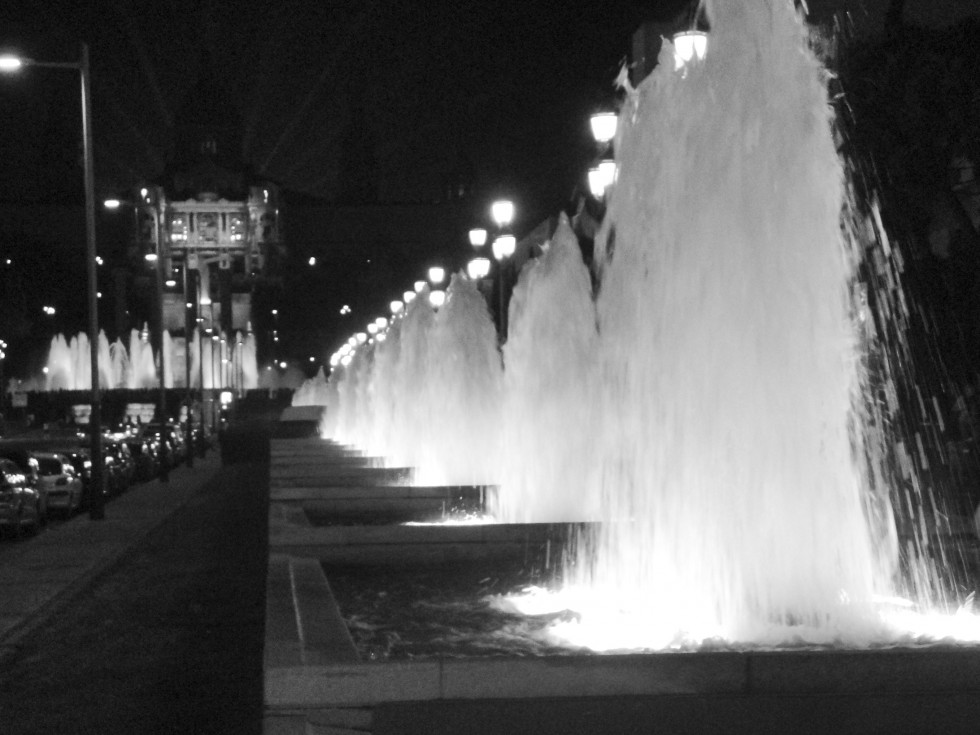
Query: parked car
[(20, 502), (62, 486), (145, 451), (26, 462), (80, 460), (171, 438), (125, 465)]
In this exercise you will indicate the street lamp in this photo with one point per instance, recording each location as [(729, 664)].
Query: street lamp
[(603, 126), (503, 248), (502, 212), (10, 63), (437, 274), (689, 46), (437, 298), (478, 268), (478, 237)]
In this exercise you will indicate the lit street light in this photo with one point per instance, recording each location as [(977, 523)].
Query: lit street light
[(603, 126), (689, 46), (437, 298), (478, 268), (478, 237), (502, 212), (10, 63), (437, 274)]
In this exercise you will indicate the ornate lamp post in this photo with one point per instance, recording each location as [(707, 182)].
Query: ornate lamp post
[(502, 212), (9, 63)]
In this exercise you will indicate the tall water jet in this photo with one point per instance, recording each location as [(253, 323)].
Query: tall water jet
[(59, 374), (732, 502), (384, 396), (463, 387), (142, 368), (412, 413), (549, 358), (313, 391), (248, 361)]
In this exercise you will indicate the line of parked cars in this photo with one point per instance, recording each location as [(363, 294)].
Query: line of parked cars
[(49, 472)]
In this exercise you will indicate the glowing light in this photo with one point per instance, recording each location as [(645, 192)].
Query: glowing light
[(205, 300), (597, 183), (478, 237), (607, 170), (502, 212), (397, 306), (504, 246), (408, 297), (9, 63), (603, 126), (437, 275), (361, 338), (478, 268), (150, 257), (345, 360), (312, 260), (419, 285), (372, 328), (437, 298), (226, 397), (112, 204), (381, 322), (688, 46)]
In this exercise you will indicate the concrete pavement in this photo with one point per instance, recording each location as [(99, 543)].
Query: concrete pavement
[(40, 576)]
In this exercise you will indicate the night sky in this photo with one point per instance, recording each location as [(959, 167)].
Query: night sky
[(497, 93)]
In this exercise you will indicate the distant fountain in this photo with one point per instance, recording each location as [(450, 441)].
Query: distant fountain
[(313, 392), (68, 365)]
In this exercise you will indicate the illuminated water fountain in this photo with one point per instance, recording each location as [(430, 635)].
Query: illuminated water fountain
[(710, 408), (226, 363)]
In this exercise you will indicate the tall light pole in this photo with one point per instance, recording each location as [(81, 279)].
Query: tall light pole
[(10, 63), (189, 326), (502, 212), (156, 257)]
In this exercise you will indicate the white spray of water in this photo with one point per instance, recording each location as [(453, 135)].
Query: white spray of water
[(723, 389), (463, 388), (69, 363), (548, 419), (313, 391), (728, 364)]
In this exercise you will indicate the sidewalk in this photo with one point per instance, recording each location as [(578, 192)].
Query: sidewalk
[(42, 575)]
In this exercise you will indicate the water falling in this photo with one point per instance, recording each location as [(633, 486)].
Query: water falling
[(463, 387), (548, 419), (711, 408), (313, 392), (68, 365)]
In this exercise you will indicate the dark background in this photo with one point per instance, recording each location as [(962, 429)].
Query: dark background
[(338, 103)]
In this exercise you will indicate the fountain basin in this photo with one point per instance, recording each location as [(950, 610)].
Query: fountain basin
[(311, 666), (385, 504), (290, 532)]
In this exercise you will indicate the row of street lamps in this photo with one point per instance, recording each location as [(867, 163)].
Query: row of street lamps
[(8, 64)]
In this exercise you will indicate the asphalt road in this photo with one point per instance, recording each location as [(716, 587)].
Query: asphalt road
[(169, 641)]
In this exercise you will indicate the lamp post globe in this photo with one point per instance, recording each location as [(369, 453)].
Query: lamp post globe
[(502, 212)]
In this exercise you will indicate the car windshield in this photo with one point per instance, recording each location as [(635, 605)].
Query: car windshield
[(50, 466)]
